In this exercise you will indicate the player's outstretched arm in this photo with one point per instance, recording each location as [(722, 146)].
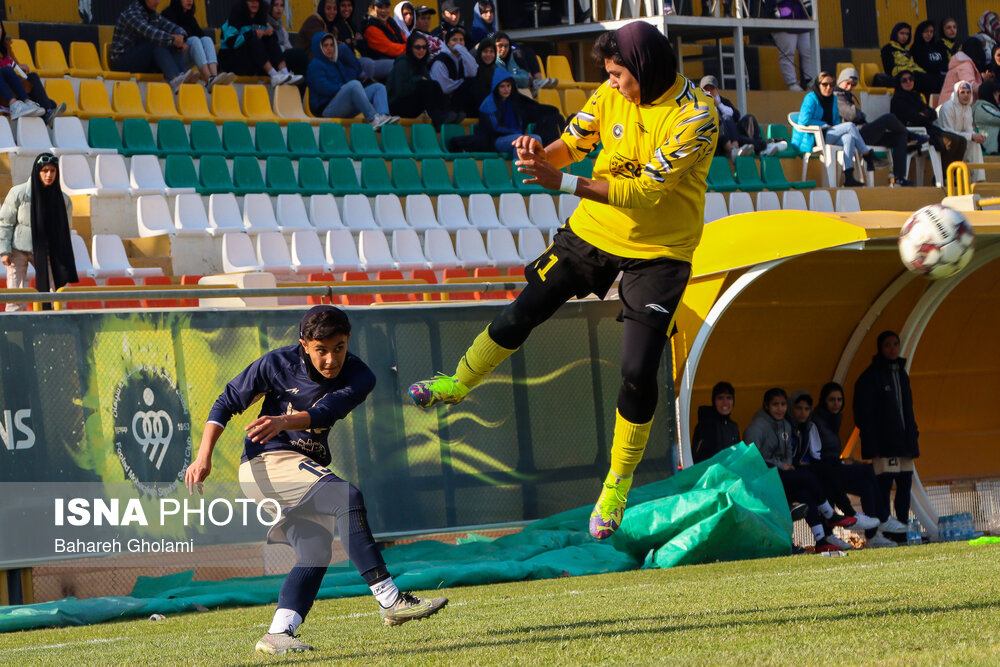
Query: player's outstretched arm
[(543, 165), (266, 427), (201, 467)]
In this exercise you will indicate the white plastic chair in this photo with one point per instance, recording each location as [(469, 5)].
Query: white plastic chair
[(33, 136), (501, 248), (530, 243), (715, 207), (153, 216), (439, 251), (69, 138), (307, 253), (272, 253), (469, 248), (793, 200), (451, 212), (829, 154), (108, 256), (323, 212), (542, 211), (406, 250), (420, 213), (81, 257), (927, 151), (190, 218), (768, 201), (357, 213), (75, 177), (740, 202), (820, 201), (567, 204), (513, 213), (373, 250), (224, 215), (111, 178), (389, 213), (7, 143), (341, 252), (847, 201), (291, 215), (238, 254), (482, 212), (258, 214)]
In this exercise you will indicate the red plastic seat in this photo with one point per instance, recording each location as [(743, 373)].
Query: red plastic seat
[(121, 281), (190, 280), (390, 298), (427, 275), (488, 272), (456, 296), (356, 299), (324, 277), (151, 281)]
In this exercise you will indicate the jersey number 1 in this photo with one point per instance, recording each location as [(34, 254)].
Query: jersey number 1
[(545, 269)]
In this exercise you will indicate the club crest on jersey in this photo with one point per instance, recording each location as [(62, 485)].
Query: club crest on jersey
[(624, 166), (618, 131)]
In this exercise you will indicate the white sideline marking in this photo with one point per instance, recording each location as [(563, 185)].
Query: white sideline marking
[(80, 643)]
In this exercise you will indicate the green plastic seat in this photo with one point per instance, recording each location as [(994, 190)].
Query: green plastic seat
[(584, 167), (179, 172), (780, 133), (246, 175), (720, 178), (434, 175), (205, 139), (526, 188), (213, 175), (137, 137), (465, 174), (364, 143), (279, 175), (406, 177), (496, 177), (425, 141), (747, 174), (375, 177), (312, 176), (394, 142), (269, 139), (774, 176), (451, 130), (302, 140), (343, 177), (333, 140), (172, 138), (103, 133), (236, 139)]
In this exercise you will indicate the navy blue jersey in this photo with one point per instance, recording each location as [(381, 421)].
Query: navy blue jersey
[(287, 381)]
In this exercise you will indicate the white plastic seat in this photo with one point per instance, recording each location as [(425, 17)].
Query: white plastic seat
[(323, 212), (341, 252), (513, 213), (482, 212), (439, 251), (291, 214), (406, 250), (357, 213), (927, 151), (542, 211), (829, 154), (420, 213), (190, 218), (258, 214), (820, 201), (847, 201), (740, 202), (389, 213), (146, 174), (272, 253), (84, 267), (109, 259), (715, 207), (451, 212), (567, 204), (768, 201), (307, 253), (501, 248), (33, 136), (530, 243), (68, 137), (373, 250), (153, 215), (238, 254), (75, 177), (793, 200), (224, 215), (111, 178), (7, 143), (469, 248)]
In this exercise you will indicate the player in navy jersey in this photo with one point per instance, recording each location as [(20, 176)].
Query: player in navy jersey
[(306, 388)]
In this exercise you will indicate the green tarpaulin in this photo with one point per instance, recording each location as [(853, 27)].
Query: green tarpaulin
[(727, 508)]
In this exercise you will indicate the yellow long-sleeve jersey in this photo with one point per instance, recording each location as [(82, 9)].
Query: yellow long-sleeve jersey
[(656, 157)]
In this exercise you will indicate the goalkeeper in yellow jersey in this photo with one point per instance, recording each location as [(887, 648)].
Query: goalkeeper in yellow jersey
[(641, 214)]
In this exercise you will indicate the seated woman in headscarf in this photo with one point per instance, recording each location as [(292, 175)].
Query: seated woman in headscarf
[(989, 31), (410, 87), (249, 46), (955, 115), (930, 54), (986, 115), (502, 115), (910, 106), (896, 58), (455, 70), (949, 35), (966, 65), (334, 83), (484, 21), (404, 16)]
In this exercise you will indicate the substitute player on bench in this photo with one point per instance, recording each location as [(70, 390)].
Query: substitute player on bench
[(641, 214), (306, 388)]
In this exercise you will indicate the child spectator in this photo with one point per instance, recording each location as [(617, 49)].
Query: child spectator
[(201, 48), (986, 115), (411, 89), (249, 46), (455, 71), (715, 429), (910, 106), (144, 41), (955, 115), (335, 90), (384, 41), (484, 21)]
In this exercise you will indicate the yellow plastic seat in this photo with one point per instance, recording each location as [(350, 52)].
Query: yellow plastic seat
[(288, 106), (94, 101), (21, 52), (138, 76), (160, 101), (557, 67), (61, 91), (550, 96), (50, 59), (191, 103), (257, 105), (573, 100), (126, 101), (541, 66), (226, 104), (84, 63), (868, 72)]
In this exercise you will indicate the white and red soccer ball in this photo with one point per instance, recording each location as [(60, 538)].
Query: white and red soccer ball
[(936, 242)]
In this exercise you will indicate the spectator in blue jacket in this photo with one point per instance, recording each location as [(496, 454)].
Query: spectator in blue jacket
[(334, 83), (501, 116), (484, 21), (144, 41)]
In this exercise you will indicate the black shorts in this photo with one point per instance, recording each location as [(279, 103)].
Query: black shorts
[(650, 289)]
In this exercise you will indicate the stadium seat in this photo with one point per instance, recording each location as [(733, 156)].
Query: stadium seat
[(224, 214), (427, 275), (768, 201), (720, 178), (7, 142), (290, 212), (501, 248), (357, 213), (542, 211), (109, 259), (103, 133), (469, 248), (530, 244), (85, 63), (740, 202), (179, 172), (301, 139), (75, 177), (748, 176), (439, 251), (406, 250), (257, 104), (550, 96), (512, 212), (374, 176), (406, 177), (191, 103), (189, 280), (158, 281), (584, 168), (236, 139), (172, 138), (364, 143), (394, 143), (434, 176), (779, 132), (21, 52), (68, 137), (121, 281), (343, 177), (145, 177), (715, 207), (213, 175), (459, 275), (205, 139), (356, 299), (451, 213), (341, 251), (389, 277), (465, 174), (137, 138), (497, 178), (320, 277), (557, 67), (307, 253), (774, 176), (126, 101), (482, 212), (238, 254), (488, 274), (138, 76), (333, 140), (61, 91), (522, 187), (420, 213), (33, 136), (288, 107), (425, 141), (828, 153), (324, 213), (84, 267), (847, 201), (573, 100), (94, 101), (153, 215), (269, 139), (258, 214), (111, 177), (793, 200), (279, 175), (820, 201), (312, 177), (451, 130), (246, 175), (190, 218), (225, 104), (389, 213), (160, 101), (567, 204), (374, 252), (273, 255)]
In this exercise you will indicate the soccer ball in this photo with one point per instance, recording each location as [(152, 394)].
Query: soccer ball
[(936, 242)]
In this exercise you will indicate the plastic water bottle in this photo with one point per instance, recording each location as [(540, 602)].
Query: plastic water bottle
[(914, 533)]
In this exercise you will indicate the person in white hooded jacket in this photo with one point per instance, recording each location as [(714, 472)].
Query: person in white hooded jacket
[(955, 115)]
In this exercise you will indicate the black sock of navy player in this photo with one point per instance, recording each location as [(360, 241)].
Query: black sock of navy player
[(312, 543)]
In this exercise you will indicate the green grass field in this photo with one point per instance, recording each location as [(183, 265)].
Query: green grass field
[(930, 604)]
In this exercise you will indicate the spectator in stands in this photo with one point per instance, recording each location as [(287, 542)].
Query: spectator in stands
[(34, 227), (249, 46), (986, 115), (384, 41), (715, 429), (455, 71), (522, 64), (451, 17), (993, 65), (484, 21), (412, 91), (910, 106), (856, 477), (966, 65), (346, 26), (930, 54), (886, 130), (790, 41), (989, 31), (403, 14), (955, 115), (883, 412), (324, 19), (422, 24), (334, 83), (144, 41), (486, 59), (504, 114), (819, 108), (738, 134), (949, 35), (25, 95), (896, 58), (296, 58), (771, 433), (201, 48)]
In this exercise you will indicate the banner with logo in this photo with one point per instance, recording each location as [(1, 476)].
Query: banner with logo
[(119, 400)]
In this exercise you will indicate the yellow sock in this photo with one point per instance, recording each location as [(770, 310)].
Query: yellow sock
[(480, 359), (628, 445)]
